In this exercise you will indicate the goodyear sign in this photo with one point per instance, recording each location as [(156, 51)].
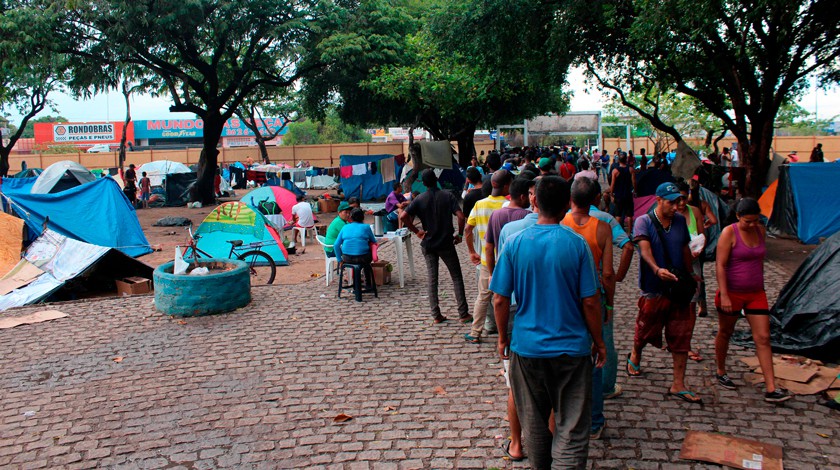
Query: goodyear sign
[(194, 128), (83, 132)]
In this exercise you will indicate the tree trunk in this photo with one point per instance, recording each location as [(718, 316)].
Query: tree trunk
[(4, 159), (263, 149), (124, 136), (466, 145), (208, 162), (754, 156)]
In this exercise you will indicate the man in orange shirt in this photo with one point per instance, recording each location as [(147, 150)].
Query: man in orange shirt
[(598, 236)]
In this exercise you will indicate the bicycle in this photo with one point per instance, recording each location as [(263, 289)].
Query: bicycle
[(260, 265)]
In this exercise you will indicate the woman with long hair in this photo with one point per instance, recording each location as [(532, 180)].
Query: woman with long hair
[(739, 266)]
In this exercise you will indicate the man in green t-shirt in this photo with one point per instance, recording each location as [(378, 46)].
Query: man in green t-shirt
[(335, 227)]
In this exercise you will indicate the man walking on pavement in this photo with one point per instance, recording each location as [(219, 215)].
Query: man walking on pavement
[(435, 208), (598, 237), (551, 272), (476, 229), (621, 190), (662, 236)]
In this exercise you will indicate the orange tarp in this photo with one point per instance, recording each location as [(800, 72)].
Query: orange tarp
[(766, 199), (11, 241)]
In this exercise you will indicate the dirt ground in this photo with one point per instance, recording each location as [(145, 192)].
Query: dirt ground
[(302, 266)]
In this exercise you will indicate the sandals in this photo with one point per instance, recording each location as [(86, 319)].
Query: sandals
[(506, 450), (696, 357), (686, 396), (637, 369)]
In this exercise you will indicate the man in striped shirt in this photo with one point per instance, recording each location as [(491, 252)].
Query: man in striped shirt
[(476, 229)]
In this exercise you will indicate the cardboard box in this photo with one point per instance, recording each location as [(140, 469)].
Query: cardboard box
[(134, 286), (328, 205), (381, 272)]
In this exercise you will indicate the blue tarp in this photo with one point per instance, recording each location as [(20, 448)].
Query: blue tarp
[(372, 186), (97, 213), (817, 207)]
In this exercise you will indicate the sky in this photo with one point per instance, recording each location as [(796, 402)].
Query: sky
[(111, 107)]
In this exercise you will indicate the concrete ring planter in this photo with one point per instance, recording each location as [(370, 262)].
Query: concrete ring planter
[(226, 288)]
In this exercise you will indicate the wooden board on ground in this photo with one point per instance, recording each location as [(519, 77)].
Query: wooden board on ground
[(20, 275), (731, 451), (832, 393), (37, 317), (750, 361)]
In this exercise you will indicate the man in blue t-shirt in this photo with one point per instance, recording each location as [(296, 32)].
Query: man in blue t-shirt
[(662, 236), (551, 271)]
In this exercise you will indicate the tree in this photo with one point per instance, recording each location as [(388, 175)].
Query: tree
[(253, 110), (451, 71), (209, 55), (742, 60), (29, 129), (31, 66), (332, 130)]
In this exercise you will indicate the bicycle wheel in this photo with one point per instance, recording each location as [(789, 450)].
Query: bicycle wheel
[(260, 265)]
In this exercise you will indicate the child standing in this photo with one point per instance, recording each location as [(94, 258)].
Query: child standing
[(145, 190)]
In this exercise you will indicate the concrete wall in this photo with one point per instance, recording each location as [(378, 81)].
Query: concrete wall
[(783, 145), (317, 155)]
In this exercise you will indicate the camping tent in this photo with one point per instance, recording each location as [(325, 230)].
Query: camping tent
[(806, 316), (236, 221), (96, 213), (157, 170), (368, 177), (261, 199), (177, 188), (61, 176), (804, 206), (53, 259), (28, 173)]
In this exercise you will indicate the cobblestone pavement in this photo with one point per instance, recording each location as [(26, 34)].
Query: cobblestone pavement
[(259, 388)]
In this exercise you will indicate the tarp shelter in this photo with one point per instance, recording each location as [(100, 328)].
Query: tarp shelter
[(236, 221), (97, 213), (177, 188), (768, 198), (806, 317), (53, 260), (451, 179), (158, 170), (61, 176), (368, 177), (262, 198), (804, 206)]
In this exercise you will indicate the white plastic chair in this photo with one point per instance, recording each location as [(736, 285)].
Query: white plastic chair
[(303, 231), (329, 261)]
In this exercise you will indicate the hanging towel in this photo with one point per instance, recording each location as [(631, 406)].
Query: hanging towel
[(436, 154), (360, 169), (400, 159), (346, 171), (387, 169), (373, 168)]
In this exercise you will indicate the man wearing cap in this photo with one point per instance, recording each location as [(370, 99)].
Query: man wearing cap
[(546, 167), (662, 237), (336, 225)]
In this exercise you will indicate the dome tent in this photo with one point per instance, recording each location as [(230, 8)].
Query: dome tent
[(61, 176), (236, 220), (157, 170)]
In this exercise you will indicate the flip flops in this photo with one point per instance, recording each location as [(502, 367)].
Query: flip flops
[(686, 396), (630, 365), (506, 450)]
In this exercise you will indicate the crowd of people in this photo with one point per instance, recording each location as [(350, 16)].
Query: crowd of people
[(543, 228)]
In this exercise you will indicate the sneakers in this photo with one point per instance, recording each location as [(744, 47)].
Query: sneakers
[(777, 396), (596, 434), (471, 339), (616, 392), (725, 382), (466, 319), (490, 331)]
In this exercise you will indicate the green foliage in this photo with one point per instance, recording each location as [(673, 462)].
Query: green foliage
[(29, 130), (332, 130)]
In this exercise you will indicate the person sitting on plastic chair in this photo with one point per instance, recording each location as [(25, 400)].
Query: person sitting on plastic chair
[(355, 243), (394, 205), (301, 217)]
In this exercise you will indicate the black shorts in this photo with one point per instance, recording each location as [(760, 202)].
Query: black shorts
[(624, 207)]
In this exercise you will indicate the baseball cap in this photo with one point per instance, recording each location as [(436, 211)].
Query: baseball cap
[(544, 162), (668, 191), (343, 206)]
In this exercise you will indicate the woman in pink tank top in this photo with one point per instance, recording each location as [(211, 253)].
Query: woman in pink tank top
[(740, 274)]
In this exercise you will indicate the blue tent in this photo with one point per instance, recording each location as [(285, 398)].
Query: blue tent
[(97, 213), (804, 206), (367, 187)]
